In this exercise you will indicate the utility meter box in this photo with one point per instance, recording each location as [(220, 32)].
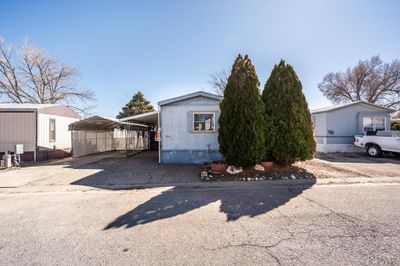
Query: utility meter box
[(19, 149)]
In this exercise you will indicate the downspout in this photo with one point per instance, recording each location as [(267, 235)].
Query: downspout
[(159, 131)]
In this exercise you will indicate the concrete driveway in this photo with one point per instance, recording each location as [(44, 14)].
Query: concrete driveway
[(110, 170)]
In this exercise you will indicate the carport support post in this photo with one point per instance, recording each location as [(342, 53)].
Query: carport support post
[(126, 141), (148, 137)]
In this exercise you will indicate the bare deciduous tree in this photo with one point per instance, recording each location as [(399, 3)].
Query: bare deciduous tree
[(218, 82), (30, 76), (370, 80)]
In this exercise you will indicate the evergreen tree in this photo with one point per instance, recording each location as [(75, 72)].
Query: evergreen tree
[(288, 125), (137, 105), (241, 131)]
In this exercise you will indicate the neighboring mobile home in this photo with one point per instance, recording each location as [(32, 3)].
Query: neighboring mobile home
[(41, 128), (189, 128), (335, 127)]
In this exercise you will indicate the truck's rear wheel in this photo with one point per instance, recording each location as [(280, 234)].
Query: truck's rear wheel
[(374, 151)]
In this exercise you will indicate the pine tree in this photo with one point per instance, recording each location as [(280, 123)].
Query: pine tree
[(288, 125), (241, 132), (137, 105)]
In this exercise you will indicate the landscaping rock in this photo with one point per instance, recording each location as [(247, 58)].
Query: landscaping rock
[(233, 170), (203, 173), (259, 167)]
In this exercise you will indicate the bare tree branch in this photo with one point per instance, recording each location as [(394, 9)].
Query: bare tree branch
[(370, 80), (218, 82), (31, 76)]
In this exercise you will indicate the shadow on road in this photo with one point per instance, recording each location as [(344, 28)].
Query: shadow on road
[(143, 169), (236, 202), (236, 199)]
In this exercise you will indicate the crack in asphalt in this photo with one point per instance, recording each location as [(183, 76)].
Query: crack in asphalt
[(243, 245), (363, 226), (353, 227)]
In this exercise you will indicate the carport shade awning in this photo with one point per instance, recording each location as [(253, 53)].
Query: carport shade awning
[(104, 123), (150, 118)]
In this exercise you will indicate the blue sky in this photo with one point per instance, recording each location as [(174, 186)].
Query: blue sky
[(168, 48)]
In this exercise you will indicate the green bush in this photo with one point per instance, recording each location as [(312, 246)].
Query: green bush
[(395, 125), (241, 132), (288, 126)]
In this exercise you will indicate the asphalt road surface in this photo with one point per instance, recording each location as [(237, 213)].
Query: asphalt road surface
[(216, 224)]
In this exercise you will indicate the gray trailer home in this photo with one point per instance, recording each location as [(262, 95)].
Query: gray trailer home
[(335, 127), (41, 128), (189, 128)]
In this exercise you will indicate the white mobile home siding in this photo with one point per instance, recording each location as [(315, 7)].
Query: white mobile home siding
[(28, 124), (179, 144), (63, 135)]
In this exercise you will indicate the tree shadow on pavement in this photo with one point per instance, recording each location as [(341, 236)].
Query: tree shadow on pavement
[(141, 170), (236, 201)]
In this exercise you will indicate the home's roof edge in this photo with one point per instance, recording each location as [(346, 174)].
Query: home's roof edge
[(337, 107), (189, 96)]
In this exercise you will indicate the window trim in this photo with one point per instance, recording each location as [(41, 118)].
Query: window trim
[(373, 122), (203, 113), (55, 131)]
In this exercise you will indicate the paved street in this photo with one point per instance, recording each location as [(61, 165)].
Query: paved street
[(217, 223)]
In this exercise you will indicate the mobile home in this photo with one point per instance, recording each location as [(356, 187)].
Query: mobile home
[(41, 128), (335, 127), (189, 128)]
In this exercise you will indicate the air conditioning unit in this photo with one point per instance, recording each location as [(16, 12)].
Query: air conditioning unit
[(7, 160)]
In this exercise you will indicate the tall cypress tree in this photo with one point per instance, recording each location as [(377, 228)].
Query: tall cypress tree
[(288, 125), (136, 106), (241, 132)]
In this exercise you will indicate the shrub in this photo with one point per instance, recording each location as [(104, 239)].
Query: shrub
[(395, 125), (241, 132), (288, 125)]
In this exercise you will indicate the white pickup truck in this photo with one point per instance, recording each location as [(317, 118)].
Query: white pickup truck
[(388, 141)]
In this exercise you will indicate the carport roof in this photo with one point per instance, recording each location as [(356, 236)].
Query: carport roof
[(103, 123), (146, 118)]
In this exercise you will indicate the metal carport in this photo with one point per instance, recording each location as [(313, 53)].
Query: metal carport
[(100, 134), (150, 119)]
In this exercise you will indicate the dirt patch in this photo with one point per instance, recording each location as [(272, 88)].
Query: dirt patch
[(346, 165), (323, 169), (277, 172)]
